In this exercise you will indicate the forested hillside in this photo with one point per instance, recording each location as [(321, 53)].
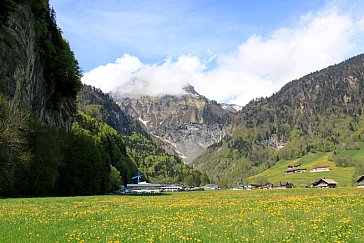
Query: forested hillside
[(155, 163), (320, 112), (40, 153)]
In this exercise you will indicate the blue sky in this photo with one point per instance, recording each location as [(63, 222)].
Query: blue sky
[(232, 51)]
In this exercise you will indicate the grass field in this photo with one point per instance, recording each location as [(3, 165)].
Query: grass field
[(295, 215), (356, 155), (342, 175)]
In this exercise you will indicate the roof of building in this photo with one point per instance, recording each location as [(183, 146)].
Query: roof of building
[(211, 185), (360, 178), (290, 171), (143, 185), (328, 181), (297, 169), (318, 167)]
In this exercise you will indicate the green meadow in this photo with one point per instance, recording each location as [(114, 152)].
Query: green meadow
[(294, 215), (342, 175)]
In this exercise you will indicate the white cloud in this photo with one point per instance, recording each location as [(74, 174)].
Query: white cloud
[(160, 79), (258, 68), (113, 75)]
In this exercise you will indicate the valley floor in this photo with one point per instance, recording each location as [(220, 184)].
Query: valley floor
[(295, 215)]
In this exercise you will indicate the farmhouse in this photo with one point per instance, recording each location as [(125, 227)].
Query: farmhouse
[(325, 183), (144, 187), (320, 169), (360, 182), (283, 185)]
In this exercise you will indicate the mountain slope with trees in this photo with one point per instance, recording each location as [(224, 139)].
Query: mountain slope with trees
[(156, 164), (40, 153), (321, 112)]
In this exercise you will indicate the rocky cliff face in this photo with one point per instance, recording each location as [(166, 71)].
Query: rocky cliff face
[(190, 123), (22, 76)]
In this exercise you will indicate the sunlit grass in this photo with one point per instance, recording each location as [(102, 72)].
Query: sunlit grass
[(342, 175), (297, 215)]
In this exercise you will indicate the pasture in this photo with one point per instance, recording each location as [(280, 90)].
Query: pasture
[(342, 175), (294, 215)]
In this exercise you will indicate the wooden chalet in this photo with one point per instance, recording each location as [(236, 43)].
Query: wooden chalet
[(324, 183), (360, 181)]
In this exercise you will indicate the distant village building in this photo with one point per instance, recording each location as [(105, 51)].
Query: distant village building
[(144, 187), (171, 187), (360, 182), (325, 183), (320, 169), (283, 185), (244, 187), (295, 171), (294, 166), (259, 186), (266, 186), (210, 187)]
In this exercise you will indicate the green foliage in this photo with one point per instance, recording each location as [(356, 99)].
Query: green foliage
[(83, 171), (204, 179), (47, 146), (39, 160), (154, 162), (14, 151), (114, 180), (110, 142), (60, 68), (6, 7), (261, 180)]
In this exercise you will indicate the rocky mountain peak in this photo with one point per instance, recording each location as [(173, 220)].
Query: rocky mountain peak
[(188, 123), (191, 90)]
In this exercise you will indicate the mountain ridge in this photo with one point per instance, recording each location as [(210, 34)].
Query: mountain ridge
[(319, 112), (190, 122)]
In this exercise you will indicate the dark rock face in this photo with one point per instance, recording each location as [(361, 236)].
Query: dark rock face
[(190, 122), (21, 72)]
